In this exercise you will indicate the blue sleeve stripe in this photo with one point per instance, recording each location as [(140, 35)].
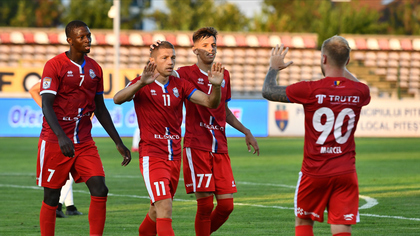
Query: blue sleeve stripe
[(99, 93), (227, 100), (191, 94)]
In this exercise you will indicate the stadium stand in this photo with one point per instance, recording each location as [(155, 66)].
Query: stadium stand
[(389, 64)]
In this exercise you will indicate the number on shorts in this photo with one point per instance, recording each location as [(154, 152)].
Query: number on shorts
[(332, 122), (157, 188), (201, 176), (51, 174)]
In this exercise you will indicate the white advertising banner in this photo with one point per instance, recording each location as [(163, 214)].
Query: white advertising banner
[(381, 118)]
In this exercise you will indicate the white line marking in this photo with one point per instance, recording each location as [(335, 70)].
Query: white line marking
[(369, 200)]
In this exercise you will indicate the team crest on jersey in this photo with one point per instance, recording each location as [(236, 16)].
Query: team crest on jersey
[(92, 74), (176, 93), (46, 83), (223, 83), (69, 73), (281, 117)]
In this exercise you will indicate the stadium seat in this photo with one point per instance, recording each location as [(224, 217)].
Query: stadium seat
[(405, 56), (394, 44), (183, 40), (274, 40), (252, 41), (135, 39), (372, 44)]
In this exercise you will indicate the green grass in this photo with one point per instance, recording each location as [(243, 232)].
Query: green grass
[(388, 171)]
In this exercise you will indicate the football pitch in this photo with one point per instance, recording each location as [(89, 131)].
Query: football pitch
[(388, 172)]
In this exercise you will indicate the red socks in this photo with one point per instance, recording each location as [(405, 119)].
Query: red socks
[(304, 230), (97, 215), (147, 227), (220, 215), (47, 219), (342, 234), (202, 218), (164, 227)]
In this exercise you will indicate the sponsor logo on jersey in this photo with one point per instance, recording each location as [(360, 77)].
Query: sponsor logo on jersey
[(337, 98), (46, 83), (153, 92), (92, 74), (335, 150), (176, 93), (233, 184), (211, 127), (69, 73), (348, 216), (300, 211), (200, 81), (223, 83), (167, 136), (67, 118), (282, 117)]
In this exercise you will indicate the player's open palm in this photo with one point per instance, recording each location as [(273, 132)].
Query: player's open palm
[(149, 76), (277, 57), (216, 74)]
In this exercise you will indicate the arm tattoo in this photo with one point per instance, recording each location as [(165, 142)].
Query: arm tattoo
[(271, 91)]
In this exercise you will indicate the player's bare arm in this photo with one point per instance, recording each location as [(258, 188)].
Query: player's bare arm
[(249, 138), (66, 145), (148, 76), (101, 112), (34, 91), (349, 75), (271, 90), (216, 78)]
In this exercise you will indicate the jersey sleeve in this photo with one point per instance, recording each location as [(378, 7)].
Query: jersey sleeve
[(366, 94), (50, 79), (188, 88), (133, 82), (100, 88), (299, 92), (182, 72)]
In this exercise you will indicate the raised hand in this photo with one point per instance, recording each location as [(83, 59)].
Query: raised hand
[(277, 58), (155, 44), (216, 74), (149, 76)]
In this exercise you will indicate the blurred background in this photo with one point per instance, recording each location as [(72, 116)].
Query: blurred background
[(383, 35)]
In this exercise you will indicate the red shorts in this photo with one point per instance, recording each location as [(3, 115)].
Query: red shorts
[(208, 172), (160, 176), (339, 194), (53, 167)]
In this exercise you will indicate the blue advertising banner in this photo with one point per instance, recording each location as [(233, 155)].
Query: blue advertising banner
[(22, 117)]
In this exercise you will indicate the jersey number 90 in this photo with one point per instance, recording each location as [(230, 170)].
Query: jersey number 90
[(333, 122)]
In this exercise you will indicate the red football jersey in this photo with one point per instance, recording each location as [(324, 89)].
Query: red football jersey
[(332, 109), (159, 115), (205, 127), (75, 87)]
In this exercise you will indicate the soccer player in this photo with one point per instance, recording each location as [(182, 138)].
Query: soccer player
[(158, 101), (207, 168), (71, 90), (66, 194), (332, 108)]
